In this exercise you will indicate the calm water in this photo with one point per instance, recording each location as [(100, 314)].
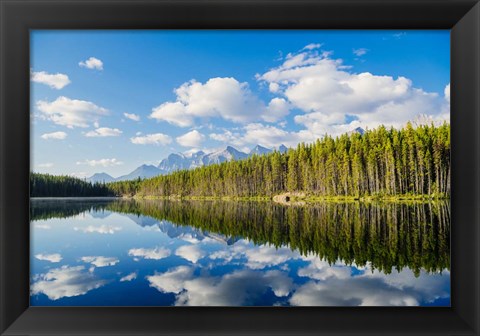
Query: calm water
[(162, 253)]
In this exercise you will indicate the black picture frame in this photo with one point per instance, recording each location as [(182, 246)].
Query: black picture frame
[(17, 17)]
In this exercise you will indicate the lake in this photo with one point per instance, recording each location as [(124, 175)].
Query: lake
[(115, 252)]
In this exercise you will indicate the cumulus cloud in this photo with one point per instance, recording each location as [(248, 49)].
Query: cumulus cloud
[(101, 163), (336, 286), (102, 229), (266, 135), (53, 258), (55, 81), (222, 97), (100, 261), (321, 270), (104, 132), (191, 139), (70, 112), (172, 281), (129, 277), (446, 92), (192, 253), (54, 135), (156, 253), (232, 289), (132, 116), (277, 109), (263, 256), (66, 282), (152, 139), (327, 91), (256, 256), (92, 63)]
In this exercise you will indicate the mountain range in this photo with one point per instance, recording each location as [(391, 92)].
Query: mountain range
[(179, 161)]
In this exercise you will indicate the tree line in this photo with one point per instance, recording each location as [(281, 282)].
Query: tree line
[(46, 185), (380, 162)]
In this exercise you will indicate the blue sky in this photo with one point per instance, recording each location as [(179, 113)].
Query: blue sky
[(113, 100)]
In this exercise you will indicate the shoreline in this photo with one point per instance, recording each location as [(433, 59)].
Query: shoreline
[(299, 199), (285, 199)]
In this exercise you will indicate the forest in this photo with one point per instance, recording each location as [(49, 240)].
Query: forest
[(46, 185), (381, 162)]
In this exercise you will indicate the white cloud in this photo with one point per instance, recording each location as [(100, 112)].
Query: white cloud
[(55, 81), (101, 162), (218, 97), (54, 135), (132, 116), (257, 256), (172, 281), (277, 109), (92, 63), (156, 253), (312, 46), (191, 139), (265, 135), (66, 282), (328, 92), (53, 258), (192, 253), (232, 289), (336, 286), (45, 165), (70, 112), (360, 51), (129, 277), (273, 87), (446, 92), (173, 113), (321, 270), (102, 229), (100, 261), (104, 132), (226, 137), (263, 256), (152, 139)]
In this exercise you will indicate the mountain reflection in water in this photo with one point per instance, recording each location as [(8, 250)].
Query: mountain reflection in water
[(239, 253)]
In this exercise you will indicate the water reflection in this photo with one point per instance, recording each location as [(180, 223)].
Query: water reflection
[(239, 253)]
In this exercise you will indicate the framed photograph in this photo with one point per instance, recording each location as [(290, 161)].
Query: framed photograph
[(239, 168)]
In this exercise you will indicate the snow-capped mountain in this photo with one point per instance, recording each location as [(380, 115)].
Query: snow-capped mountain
[(259, 150), (175, 161), (179, 161), (228, 154)]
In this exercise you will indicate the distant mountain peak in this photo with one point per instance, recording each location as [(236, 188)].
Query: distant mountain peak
[(282, 148), (100, 177), (189, 160), (358, 130), (260, 150)]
